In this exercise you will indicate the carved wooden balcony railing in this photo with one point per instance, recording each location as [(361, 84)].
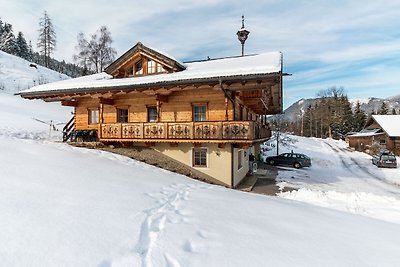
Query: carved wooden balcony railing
[(207, 130)]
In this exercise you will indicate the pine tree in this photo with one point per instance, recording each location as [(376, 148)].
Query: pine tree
[(384, 109), (30, 51), (346, 117), (23, 50), (359, 118), (1, 28), (47, 38), (8, 42)]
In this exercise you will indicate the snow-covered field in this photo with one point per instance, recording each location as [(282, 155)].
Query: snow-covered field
[(66, 206), (340, 179)]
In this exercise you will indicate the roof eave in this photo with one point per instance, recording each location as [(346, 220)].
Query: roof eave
[(216, 79)]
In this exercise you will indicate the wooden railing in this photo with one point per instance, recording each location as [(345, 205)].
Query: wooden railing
[(222, 130), (68, 129)]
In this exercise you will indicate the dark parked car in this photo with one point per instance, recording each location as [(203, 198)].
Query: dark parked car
[(384, 158), (296, 160)]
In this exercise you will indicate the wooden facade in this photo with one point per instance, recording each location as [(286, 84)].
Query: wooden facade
[(175, 120), (226, 110)]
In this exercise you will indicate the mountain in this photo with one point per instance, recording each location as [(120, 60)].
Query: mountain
[(18, 74), (374, 104), (369, 105)]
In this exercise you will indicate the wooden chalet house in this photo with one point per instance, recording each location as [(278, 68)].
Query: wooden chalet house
[(380, 130), (206, 114)]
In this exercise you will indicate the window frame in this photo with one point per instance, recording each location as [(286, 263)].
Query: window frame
[(90, 116), (139, 72), (160, 68), (196, 105), (201, 157), (148, 108), (119, 110), (151, 66)]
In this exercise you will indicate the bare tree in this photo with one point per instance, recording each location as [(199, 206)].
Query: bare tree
[(47, 38), (96, 53)]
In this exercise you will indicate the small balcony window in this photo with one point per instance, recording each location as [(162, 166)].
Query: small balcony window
[(152, 115), (93, 115), (199, 113), (122, 115), (199, 157), (139, 67), (160, 68), (151, 67)]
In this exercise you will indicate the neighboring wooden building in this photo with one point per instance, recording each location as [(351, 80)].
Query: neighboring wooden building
[(207, 114), (382, 131)]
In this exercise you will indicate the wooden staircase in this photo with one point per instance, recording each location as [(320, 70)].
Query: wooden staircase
[(68, 129)]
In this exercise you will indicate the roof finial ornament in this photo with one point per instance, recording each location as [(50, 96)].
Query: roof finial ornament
[(242, 35)]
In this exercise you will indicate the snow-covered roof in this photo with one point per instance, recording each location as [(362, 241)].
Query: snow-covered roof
[(141, 48), (225, 68), (366, 132), (389, 123)]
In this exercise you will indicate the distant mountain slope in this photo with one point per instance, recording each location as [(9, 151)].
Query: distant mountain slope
[(369, 105), (16, 74), (374, 104)]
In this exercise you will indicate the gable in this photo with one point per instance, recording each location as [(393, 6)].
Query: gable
[(141, 61), (388, 123)]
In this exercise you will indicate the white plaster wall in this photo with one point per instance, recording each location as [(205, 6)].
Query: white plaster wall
[(218, 159), (239, 174)]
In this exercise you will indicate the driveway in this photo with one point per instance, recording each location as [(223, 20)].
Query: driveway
[(266, 180)]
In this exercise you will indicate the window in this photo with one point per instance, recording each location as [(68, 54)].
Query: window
[(382, 141), (199, 113), (93, 115), (199, 157), (151, 66), (130, 71), (122, 115), (240, 159), (160, 68), (152, 115), (139, 67)]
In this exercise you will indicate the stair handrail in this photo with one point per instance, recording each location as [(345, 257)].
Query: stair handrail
[(68, 128)]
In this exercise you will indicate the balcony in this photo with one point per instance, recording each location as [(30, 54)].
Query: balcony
[(226, 131)]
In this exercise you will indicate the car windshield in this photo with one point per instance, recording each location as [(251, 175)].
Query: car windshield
[(388, 157)]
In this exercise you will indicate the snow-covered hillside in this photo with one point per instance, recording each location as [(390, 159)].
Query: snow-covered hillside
[(66, 206), (16, 74)]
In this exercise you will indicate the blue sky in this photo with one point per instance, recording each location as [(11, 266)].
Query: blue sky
[(353, 44)]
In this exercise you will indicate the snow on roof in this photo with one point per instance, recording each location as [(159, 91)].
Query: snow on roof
[(389, 123), (268, 63), (366, 132), (167, 55)]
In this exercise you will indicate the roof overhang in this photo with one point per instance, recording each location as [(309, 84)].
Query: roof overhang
[(145, 86)]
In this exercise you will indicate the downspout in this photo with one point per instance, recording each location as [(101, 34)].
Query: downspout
[(281, 83), (228, 96), (232, 167), (101, 120)]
